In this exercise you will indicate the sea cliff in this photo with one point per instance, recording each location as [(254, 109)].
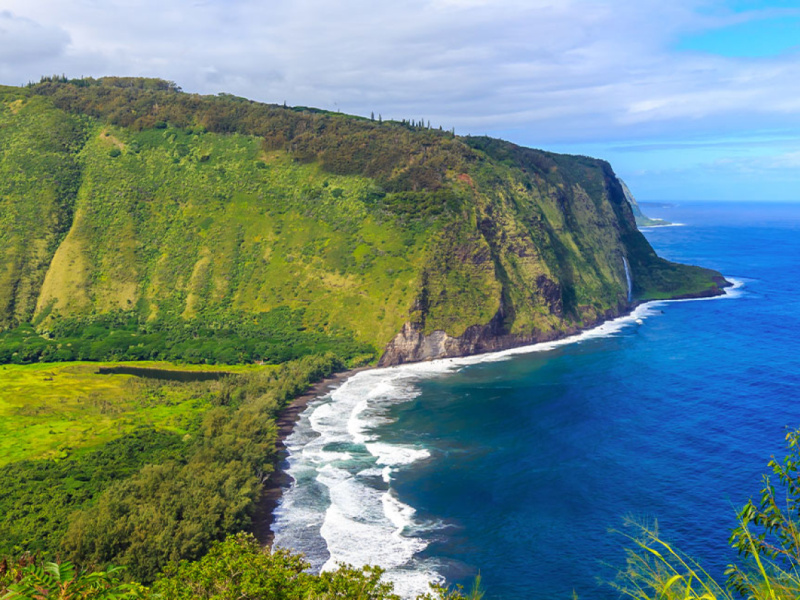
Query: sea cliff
[(155, 219)]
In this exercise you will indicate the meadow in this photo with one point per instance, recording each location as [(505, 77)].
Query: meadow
[(78, 447), (50, 410)]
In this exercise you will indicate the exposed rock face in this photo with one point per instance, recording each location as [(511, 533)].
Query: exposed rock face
[(642, 220), (412, 345), (552, 294)]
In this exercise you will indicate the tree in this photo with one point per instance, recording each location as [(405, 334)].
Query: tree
[(240, 568)]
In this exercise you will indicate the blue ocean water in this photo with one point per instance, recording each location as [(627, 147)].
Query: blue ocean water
[(517, 466)]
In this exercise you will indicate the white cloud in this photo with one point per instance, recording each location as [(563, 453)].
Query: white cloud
[(543, 71), (457, 61), (24, 41)]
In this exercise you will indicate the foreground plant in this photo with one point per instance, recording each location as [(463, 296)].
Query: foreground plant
[(772, 554), (767, 538), (62, 581), (239, 568), (655, 570)]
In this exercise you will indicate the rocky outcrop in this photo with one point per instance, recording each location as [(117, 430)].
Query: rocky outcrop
[(413, 345)]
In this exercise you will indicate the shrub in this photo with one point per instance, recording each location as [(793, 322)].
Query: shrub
[(62, 581)]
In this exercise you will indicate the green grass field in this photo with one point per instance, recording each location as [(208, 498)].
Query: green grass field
[(50, 410)]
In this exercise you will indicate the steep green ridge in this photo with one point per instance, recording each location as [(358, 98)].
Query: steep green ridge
[(642, 220), (164, 210), (40, 175)]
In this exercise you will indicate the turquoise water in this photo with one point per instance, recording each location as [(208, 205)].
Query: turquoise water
[(518, 465)]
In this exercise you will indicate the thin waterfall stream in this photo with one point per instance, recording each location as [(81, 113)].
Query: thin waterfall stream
[(628, 277)]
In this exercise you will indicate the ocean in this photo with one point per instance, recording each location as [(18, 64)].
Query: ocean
[(522, 465)]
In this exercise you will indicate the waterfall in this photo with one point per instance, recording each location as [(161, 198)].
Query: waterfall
[(628, 277)]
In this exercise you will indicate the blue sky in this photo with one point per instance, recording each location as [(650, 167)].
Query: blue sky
[(688, 99), (758, 38)]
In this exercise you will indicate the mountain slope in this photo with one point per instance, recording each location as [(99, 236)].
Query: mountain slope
[(642, 220), (127, 197)]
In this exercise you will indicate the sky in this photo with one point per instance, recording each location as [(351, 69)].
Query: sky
[(687, 99)]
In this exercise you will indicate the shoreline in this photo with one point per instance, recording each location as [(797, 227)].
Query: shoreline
[(287, 418), (279, 479), (412, 345)]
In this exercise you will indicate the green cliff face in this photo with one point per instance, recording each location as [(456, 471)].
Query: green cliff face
[(126, 197), (642, 220)]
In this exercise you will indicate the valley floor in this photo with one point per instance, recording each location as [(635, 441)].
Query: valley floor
[(48, 410)]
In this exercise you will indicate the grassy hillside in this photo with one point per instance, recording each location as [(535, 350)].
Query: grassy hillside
[(40, 174), (136, 209)]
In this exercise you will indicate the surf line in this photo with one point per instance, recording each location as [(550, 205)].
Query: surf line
[(340, 506)]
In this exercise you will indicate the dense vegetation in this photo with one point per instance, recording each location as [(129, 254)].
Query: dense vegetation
[(138, 221), (155, 495), (38, 496), (231, 338)]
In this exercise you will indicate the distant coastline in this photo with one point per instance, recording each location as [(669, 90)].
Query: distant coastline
[(660, 225)]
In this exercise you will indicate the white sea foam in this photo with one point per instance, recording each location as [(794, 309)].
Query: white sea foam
[(664, 226), (333, 453), (394, 455), (341, 507)]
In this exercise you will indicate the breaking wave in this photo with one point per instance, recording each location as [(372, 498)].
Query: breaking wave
[(341, 506)]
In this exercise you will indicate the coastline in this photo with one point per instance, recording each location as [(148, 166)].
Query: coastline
[(279, 478), (413, 345), (287, 418)]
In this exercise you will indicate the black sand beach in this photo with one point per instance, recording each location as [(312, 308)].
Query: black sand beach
[(278, 480)]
